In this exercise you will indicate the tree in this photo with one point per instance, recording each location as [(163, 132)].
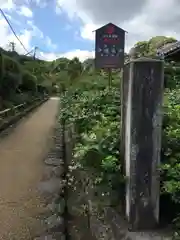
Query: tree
[(74, 69), (58, 65), (29, 82), (141, 49), (11, 76), (157, 42), (149, 48)]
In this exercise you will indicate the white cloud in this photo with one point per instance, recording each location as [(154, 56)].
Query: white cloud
[(81, 54), (47, 56), (66, 5), (50, 44), (6, 36), (36, 32), (7, 4), (25, 36), (4, 32), (142, 19), (25, 11), (38, 3), (88, 32)]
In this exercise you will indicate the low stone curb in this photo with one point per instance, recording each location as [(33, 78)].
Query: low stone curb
[(53, 187)]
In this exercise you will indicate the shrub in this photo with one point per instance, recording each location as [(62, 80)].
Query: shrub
[(29, 82), (94, 109)]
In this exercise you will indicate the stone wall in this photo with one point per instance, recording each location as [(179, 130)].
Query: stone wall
[(92, 215)]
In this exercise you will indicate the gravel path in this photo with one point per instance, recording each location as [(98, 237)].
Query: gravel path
[(21, 170)]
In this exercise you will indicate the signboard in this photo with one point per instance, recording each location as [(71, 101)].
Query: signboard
[(109, 47)]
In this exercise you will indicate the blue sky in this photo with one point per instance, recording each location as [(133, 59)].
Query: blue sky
[(64, 27), (53, 32), (63, 32)]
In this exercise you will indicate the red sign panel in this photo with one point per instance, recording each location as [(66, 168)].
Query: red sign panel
[(110, 29)]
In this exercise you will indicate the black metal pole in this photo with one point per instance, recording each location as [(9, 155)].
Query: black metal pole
[(109, 77)]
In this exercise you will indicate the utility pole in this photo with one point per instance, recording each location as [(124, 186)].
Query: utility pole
[(35, 49), (12, 44)]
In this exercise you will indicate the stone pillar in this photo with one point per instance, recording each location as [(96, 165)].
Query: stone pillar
[(141, 129)]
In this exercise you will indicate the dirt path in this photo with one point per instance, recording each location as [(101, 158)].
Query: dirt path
[(21, 169)]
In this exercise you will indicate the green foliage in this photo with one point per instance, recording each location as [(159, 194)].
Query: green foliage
[(94, 110), (170, 184), (19, 77), (157, 42), (11, 65), (59, 65), (10, 76), (29, 82), (8, 85), (149, 48), (171, 144), (172, 76), (74, 69), (141, 48), (88, 65)]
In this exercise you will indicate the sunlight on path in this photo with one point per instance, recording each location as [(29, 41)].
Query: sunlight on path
[(21, 169)]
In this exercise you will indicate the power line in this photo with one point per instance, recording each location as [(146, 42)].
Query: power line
[(32, 51), (13, 30), (27, 52)]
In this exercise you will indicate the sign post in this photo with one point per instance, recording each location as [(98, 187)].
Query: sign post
[(109, 77), (109, 54)]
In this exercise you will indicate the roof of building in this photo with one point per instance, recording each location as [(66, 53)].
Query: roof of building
[(169, 48), (108, 25)]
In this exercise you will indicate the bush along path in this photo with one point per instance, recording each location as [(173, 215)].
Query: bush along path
[(94, 112), (90, 110)]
